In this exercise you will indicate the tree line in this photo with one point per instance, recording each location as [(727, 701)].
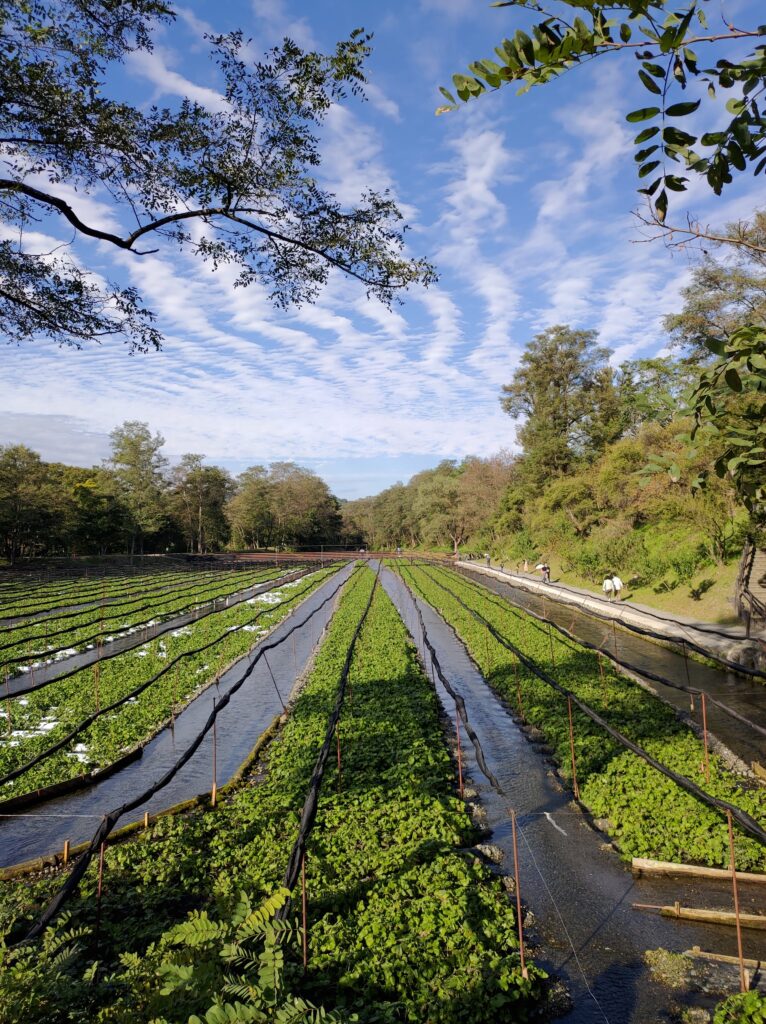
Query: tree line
[(137, 502)]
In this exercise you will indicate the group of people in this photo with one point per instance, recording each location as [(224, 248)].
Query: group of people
[(611, 586)]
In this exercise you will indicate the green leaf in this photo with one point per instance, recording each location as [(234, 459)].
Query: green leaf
[(716, 345), (682, 109), (733, 380), (643, 114), (647, 133), (648, 168), (649, 83), (625, 32)]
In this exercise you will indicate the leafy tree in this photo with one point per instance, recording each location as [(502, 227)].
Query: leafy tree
[(724, 293), (23, 516), (138, 468), (249, 510), (661, 35), (199, 498), (564, 388), (652, 390), (438, 505), (236, 184), (303, 508)]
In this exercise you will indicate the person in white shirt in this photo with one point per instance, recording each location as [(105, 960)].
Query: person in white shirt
[(612, 586)]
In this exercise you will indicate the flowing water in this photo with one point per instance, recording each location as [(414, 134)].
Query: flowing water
[(53, 669), (43, 829), (743, 694), (577, 889)]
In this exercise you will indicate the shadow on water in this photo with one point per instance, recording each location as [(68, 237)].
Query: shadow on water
[(579, 893), (76, 816)]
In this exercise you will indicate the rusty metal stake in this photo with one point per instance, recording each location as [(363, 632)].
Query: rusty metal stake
[(704, 737), (99, 890), (459, 754), (742, 976), (304, 913), (572, 750), (517, 884), (337, 746), (688, 680), (8, 703), (96, 677), (604, 690), (215, 760), (66, 852)]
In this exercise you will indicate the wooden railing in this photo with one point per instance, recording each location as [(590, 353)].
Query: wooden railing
[(748, 606)]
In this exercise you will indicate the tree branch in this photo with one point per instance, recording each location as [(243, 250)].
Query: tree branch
[(693, 231)]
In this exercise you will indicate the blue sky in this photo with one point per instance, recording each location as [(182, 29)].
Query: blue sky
[(523, 203)]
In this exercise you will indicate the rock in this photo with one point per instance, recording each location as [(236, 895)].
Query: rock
[(491, 852)]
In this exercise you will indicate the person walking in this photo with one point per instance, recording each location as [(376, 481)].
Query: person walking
[(607, 586), (617, 585)]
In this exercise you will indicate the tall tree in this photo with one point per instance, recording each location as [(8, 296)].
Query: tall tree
[(23, 514), (139, 474), (199, 498), (726, 292), (304, 509), (564, 390), (249, 510), (236, 184)]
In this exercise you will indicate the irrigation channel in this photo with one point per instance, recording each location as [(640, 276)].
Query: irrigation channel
[(41, 831), (58, 669), (743, 694), (579, 892)]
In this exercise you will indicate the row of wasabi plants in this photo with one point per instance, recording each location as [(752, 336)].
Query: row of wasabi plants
[(19, 597), (54, 638), (405, 923), (647, 814), (175, 673)]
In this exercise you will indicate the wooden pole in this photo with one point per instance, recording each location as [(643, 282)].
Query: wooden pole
[(146, 819), (66, 852), (704, 737), (459, 754), (550, 641), (215, 759), (742, 975), (517, 885), (304, 913), (572, 750)]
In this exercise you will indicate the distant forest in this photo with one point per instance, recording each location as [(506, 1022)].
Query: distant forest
[(607, 470)]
